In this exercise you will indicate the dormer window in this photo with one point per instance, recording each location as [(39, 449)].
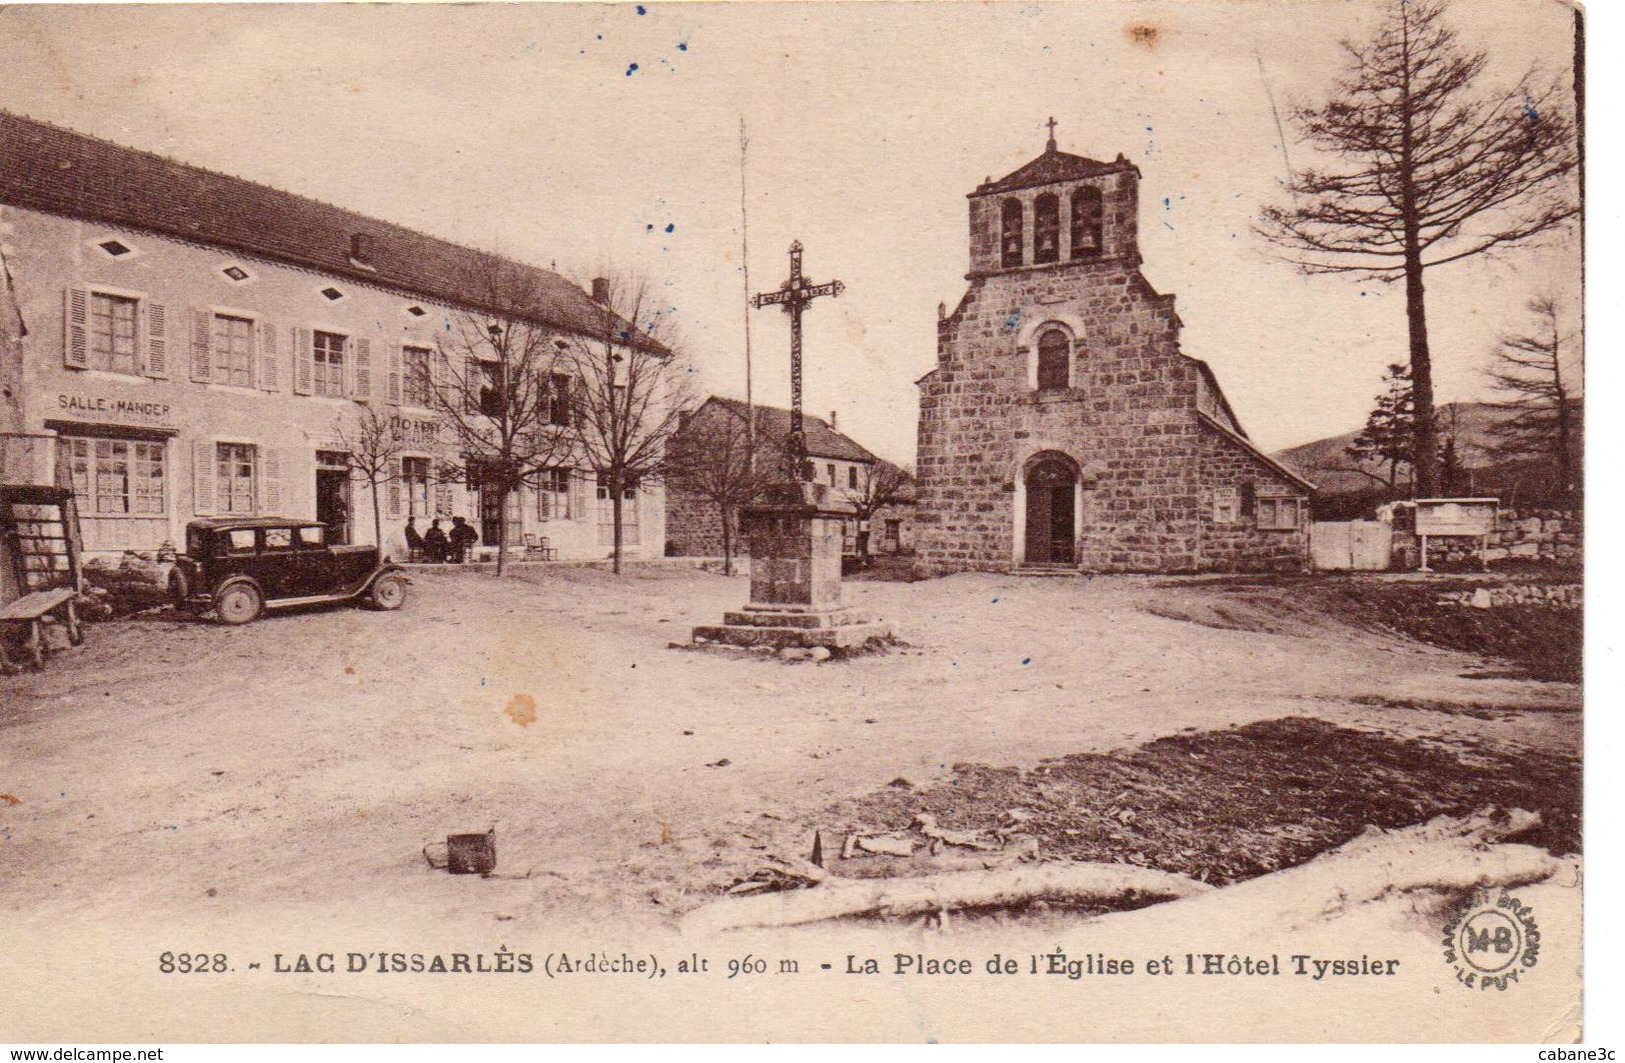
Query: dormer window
[(1087, 219), (1054, 360), (1047, 228), (1011, 235)]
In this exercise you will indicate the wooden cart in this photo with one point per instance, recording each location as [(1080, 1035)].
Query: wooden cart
[(39, 527)]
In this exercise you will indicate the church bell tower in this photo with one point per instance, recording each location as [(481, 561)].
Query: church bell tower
[(1060, 210)]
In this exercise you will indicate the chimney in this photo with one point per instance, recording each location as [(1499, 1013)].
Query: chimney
[(360, 245), (600, 290), (833, 426)]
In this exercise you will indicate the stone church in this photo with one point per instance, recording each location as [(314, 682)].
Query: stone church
[(1063, 427)]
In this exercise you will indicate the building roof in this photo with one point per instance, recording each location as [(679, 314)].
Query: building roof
[(822, 440), (49, 168), (1049, 168), (1247, 444)]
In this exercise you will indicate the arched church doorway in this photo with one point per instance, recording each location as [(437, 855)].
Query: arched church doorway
[(1051, 529)]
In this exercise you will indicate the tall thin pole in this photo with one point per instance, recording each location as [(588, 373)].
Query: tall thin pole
[(744, 258)]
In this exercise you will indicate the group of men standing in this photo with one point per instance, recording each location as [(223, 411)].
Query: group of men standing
[(438, 547)]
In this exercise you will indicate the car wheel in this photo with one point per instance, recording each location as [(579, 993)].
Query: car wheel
[(388, 592), (238, 603)]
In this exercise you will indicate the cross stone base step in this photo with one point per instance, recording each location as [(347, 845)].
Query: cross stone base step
[(759, 617), (847, 633)]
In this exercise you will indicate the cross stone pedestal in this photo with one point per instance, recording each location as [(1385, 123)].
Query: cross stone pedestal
[(795, 576)]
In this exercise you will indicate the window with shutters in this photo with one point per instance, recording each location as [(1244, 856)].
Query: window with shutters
[(113, 333), (415, 477), (1278, 514), (233, 348), (606, 515), (115, 477), (489, 382), (1054, 361), (415, 381), (852, 477), (558, 398), (553, 495), (234, 477), (328, 364)]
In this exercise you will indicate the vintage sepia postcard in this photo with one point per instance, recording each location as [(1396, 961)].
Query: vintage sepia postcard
[(792, 522)]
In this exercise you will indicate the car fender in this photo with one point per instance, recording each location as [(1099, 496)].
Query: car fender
[(232, 581), (384, 569)]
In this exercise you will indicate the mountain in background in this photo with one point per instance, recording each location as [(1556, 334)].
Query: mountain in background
[(1344, 492)]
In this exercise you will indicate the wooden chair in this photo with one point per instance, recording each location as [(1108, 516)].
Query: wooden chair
[(540, 548)]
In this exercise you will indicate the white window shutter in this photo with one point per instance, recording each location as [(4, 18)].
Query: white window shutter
[(203, 474), (76, 328), (270, 375), (395, 487), (202, 345), (393, 388), (157, 341), (578, 494), (270, 480), (473, 379), (362, 378), (304, 358)]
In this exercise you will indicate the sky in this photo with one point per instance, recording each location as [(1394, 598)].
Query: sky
[(605, 139)]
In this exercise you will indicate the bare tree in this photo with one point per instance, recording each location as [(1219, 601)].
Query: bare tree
[(1542, 410), (501, 383), (711, 456), (372, 441), (631, 388), (1424, 169), (880, 484)]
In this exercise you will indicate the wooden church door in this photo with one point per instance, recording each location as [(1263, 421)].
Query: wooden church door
[(1050, 504)]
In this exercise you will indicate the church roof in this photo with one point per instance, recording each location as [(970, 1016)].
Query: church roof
[(1052, 167), (822, 440), (49, 168)]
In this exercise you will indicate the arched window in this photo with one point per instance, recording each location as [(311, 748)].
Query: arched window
[(1054, 356), (1011, 237), (1086, 222), (1047, 228)]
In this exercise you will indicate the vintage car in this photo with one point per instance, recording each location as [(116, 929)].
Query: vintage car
[(241, 566)]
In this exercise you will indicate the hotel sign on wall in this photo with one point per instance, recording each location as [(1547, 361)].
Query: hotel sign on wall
[(104, 409)]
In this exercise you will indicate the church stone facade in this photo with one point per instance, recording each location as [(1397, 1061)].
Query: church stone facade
[(1063, 427)]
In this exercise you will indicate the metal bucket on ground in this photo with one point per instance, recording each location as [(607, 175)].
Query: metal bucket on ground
[(466, 854)]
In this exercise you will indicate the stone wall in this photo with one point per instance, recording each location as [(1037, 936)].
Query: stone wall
[(1564, 595), (694, 525), (1240, 545), (1552, 536)]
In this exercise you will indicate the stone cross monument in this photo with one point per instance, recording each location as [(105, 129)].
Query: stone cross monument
[(794, 532)]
